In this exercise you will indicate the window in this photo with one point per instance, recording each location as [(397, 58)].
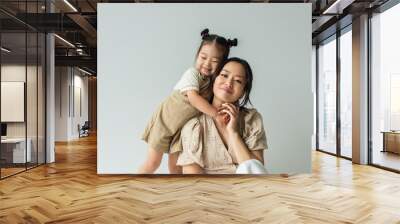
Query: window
[(327, 96), (385, 88), (346, 93)]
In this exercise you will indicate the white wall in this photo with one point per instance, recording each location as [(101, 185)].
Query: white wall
[(139, 65), (68, 81), (79, 117), (61, 103)]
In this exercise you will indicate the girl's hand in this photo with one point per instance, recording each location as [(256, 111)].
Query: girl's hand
[(231, 121)]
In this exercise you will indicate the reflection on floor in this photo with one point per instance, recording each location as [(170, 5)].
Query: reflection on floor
[(10, 169), (347, 152), (386, 159)]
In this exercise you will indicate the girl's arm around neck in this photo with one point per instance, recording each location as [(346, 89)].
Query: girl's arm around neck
[(201, 103)]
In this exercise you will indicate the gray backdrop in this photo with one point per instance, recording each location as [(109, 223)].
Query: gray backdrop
[(143, 49)]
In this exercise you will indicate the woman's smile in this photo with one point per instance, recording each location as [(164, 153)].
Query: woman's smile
[(227, 89)]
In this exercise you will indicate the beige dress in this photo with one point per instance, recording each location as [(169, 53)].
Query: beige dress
[(203, 145), (175, 111)]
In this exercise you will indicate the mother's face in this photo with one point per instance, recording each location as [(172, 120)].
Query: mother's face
[(230, 82)]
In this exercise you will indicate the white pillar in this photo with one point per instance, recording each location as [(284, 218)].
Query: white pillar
[(50, 93), (360, 90)]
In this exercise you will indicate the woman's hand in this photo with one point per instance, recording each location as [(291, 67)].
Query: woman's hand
[(231, 118), (221, 118)]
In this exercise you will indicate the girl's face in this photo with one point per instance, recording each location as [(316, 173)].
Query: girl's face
[(230, 82), (208, 59)]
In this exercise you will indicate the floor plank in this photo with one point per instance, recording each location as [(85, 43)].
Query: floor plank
[(70, 191)]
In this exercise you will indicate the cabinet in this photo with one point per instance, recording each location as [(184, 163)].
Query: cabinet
[(13, 151), (391, 142)]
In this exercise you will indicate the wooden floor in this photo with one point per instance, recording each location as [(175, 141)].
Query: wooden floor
[(5, 172), (70, 191)]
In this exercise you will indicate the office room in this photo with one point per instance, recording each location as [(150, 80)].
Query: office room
[(203, 111)]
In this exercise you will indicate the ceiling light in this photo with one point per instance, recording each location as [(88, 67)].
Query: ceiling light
[(338, 6), (84, 71), (70, 5), (5, 50), (329, 9), (65, 41)]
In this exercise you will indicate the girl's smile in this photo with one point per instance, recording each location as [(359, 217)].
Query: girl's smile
[(208, 59)]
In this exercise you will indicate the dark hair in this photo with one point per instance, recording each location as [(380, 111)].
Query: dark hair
[(221, 41), (249, 79)]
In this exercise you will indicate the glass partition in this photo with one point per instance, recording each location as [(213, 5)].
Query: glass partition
[(32, 95), (41, 111), (22, 77), (14, 154), (327, 96)]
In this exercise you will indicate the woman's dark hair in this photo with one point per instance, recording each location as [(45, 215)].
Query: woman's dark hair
[(249, 79), (224, 44)]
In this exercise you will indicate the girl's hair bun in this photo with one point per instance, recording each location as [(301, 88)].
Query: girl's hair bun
[(232, 43), (204, 33)]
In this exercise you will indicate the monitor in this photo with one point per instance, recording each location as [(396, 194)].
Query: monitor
[(3, 129)]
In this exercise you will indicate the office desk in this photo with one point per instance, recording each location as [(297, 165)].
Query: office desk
[(391, 141), (13, 150)]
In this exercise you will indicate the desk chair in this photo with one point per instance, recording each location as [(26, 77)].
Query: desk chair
[(84, 130)]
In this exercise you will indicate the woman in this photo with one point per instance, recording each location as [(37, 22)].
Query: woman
[(232, 142)]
